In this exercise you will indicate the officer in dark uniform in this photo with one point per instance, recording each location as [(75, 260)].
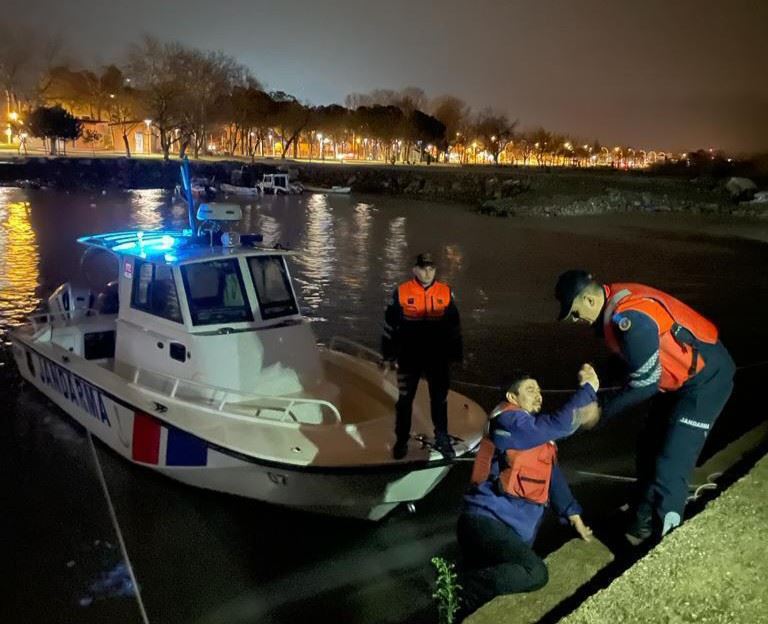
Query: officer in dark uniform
[(673, 355), (422, 333)]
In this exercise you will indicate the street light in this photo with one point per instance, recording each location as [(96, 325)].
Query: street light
[(13, 116), (320, 145)]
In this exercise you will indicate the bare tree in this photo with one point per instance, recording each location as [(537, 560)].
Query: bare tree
[(495, 131), (25, 57), (157, 70)]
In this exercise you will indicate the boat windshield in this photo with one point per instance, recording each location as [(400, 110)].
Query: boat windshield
[(273, 287), (215, 292)]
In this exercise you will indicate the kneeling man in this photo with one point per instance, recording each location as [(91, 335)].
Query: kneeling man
[(514, 478)]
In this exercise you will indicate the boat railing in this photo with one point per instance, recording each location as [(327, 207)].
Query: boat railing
[(43, 320), (347, 346), (286, 406)]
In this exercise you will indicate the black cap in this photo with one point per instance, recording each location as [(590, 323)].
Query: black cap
[(568, 286), (424, 259)]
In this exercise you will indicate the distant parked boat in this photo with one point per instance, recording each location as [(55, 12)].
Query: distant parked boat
[(232, 189), (339, 190), (280, 184)]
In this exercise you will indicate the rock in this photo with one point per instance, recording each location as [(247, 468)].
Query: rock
[(741, 189)]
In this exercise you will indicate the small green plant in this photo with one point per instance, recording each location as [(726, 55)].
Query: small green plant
[(446, 590)]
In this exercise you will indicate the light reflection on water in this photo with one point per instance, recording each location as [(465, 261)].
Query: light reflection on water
[(354, 270), (146, 204), (318, 252), (19, 261), (395, 247)]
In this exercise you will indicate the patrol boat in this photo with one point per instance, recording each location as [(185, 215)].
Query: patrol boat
[(197, 363)]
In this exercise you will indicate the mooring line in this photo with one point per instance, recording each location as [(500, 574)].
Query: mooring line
[(471, 384), (120, 539)]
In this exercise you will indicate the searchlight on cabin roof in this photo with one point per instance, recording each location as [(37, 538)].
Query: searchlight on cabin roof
[(219, 212)]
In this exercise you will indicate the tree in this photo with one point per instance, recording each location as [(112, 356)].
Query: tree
[(156, 70), (290, 117), (54, 123), (453, 113), (207, 76), (333, 122), (91, 137), (25, 56), (495, 131), (541, 140), (426, 130)]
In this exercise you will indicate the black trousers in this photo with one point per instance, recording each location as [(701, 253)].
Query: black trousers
[(495, 561), (438, 377), (677, 427)]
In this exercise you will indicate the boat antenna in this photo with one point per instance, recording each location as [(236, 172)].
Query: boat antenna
[(186, 184)]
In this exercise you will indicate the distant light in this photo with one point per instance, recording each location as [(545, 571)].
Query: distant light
[(170, 258), (148, 122), (14, 116), (167, 241)]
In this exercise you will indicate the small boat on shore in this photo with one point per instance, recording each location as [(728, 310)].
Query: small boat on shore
[(197, 363), (338, 190)]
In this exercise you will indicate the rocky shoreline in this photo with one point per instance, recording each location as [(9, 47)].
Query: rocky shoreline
[(495, 191)]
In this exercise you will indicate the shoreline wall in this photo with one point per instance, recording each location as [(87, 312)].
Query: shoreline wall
[(499, 191)]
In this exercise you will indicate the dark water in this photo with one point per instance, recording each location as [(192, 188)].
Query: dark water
[(204, 557)]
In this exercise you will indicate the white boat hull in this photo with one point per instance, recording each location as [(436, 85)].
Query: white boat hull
[(231, 189), (138, 428), (334, 190)]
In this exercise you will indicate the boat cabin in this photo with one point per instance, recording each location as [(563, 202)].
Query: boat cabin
[(221, 311), (278, 183)]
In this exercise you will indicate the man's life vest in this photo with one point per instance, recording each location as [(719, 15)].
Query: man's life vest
[(524, 473), (679, 360), (420, 303)]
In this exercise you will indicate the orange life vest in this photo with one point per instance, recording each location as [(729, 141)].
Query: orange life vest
[(528, 472), (420, 303), (679, 361)]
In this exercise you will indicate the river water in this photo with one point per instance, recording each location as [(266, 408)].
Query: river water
[(204, 557)]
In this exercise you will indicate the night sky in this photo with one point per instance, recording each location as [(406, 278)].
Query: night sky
[(652, 74)]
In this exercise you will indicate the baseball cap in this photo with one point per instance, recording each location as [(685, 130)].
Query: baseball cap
[(568, 286), (424, 259)]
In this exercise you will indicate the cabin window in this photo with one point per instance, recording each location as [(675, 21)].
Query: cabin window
[(273, 288), (99, 345), (154, 291), (216, 293)]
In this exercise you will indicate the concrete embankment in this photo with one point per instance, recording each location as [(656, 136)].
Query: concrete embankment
[(499, 191), (689, 576), (711, 569)]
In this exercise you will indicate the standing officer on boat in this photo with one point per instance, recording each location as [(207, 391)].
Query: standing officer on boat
[(422, 332), (673, 354)]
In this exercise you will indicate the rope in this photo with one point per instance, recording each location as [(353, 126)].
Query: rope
[(471, 384), (116, 524)]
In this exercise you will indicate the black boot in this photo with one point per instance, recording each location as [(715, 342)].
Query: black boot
[(400, 449), (443, 445)]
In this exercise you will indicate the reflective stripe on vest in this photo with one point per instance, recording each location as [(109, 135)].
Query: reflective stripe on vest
[(528, 472), (420, 303), (679, 361)]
